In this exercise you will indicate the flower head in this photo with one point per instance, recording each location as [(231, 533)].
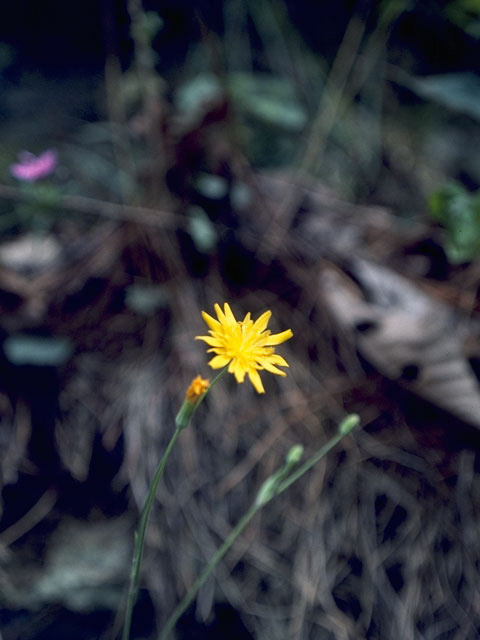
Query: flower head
[(31, 168), (246, 346), (196, 389)]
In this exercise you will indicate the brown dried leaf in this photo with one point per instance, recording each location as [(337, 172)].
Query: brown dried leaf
[(406, 335)]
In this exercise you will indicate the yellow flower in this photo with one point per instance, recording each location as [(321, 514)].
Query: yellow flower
[(247, 347), (196, 389)]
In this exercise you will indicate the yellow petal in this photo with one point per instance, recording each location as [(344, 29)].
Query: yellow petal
[(278, 338), (218, 362), (237, 370), (219, 312), (256, 380), (261, 323), (211, 322), (213, 342), (274, 358), (268, 366), (229, 314)]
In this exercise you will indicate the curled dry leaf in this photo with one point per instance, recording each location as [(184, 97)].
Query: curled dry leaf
[(406, 335)]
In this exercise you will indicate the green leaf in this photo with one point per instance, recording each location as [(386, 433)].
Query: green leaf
[(145, 299), (211, 186), (22, 349), (7, 56), (270, 99), (202, 230), (465, 14), (193, 94), (458, 211), (240, 196), (457, 91)]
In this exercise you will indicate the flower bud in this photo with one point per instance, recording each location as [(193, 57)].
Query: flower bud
[(197, 388), (294, 455), (194, 394), (348, 424)]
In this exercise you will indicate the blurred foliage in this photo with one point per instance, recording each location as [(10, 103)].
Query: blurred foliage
[(146, 299), (24, 349), (202, 230), (211, 186), (7, 57), (83, 568), (270, 116), (148, 26), (275, 80), (458, 211), (38, 213), (268, 99), (466, 15), (268, 112), (458, 91)]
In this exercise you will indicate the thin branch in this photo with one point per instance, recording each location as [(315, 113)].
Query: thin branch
[(33, 516), (80, 204)]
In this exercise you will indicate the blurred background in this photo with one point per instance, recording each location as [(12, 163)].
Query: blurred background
[(316, 159)]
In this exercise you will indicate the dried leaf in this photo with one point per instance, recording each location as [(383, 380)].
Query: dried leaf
[(406, 335)]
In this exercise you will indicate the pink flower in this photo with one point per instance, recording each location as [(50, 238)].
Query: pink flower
[(30, 168)]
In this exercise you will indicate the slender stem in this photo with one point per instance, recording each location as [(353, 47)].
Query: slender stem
[(140, 537), (214, 381), (145, 517), (159, 218), (195, 588), (237, 530), (293, 477)]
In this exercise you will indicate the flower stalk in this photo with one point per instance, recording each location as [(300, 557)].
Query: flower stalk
[(196, 392), (242, 348), (273, 486), (139, 540)]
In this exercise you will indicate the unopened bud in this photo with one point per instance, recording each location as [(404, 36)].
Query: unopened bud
[(294, 455), (267, 491), (195, 392), (349, 423), (197, 388)]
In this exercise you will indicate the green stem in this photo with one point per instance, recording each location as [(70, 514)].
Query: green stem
[(140, 537), (237, 530), (145, 517), (195, 588), (214, 381), (348, 424), (306, 466)]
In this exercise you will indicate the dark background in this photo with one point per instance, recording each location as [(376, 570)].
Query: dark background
[(394, 512)]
